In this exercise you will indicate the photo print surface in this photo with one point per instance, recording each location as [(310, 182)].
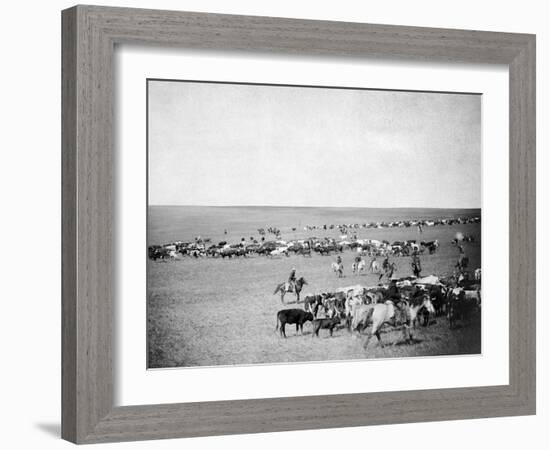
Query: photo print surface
[(292, 224)]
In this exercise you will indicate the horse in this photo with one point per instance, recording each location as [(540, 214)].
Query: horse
[(358, 267), (374, 266), (285, 287), (338, 268)]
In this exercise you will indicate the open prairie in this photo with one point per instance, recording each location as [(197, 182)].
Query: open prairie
[(213, 311)]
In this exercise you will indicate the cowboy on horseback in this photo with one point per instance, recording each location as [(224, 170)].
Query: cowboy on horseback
[(415, 264), (291, 280), (339, 266), (462, 262), (293, 285), (389, 269)]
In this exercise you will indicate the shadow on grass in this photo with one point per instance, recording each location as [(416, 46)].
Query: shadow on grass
[(293, 335), (412, 341)]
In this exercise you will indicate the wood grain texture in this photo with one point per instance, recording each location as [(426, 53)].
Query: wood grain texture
[(89, 36), (68, 226)]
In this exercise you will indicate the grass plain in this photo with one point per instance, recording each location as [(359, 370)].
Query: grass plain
[(213, 311)]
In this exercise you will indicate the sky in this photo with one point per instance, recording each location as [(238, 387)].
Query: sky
[(233, 144)]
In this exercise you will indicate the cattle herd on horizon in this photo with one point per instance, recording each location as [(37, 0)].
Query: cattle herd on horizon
[(203, 247)]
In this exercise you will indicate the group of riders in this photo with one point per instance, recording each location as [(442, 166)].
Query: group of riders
[(388, 268)]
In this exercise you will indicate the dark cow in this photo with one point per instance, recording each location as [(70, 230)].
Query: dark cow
[(297, 316), (158, 252), (340, 296), (326, 324), (460, 308), (438, 298)]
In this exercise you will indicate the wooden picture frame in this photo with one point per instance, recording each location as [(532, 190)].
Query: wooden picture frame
[(89, 36)]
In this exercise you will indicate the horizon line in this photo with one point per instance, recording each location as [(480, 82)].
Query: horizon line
[(320, 206)]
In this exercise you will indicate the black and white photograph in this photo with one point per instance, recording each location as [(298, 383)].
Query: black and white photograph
[(282, 224), (293, 224)]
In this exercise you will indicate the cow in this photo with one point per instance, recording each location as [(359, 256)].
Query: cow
[(313, 302), (359, 318), (162, 253), (335, 307), (326, 324), (156, 252), (461, 305), (391, 313), (426, 311), (438, 296), (432, 246), (292, 316)]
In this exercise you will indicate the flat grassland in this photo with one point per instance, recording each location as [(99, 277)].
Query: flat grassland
[(213, 311)]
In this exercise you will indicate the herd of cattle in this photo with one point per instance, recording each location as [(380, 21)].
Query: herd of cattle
[(347, 228), (305, 247), (404, 303), (203, 247)]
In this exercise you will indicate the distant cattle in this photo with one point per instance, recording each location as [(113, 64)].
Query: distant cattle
[(432, 246), (158, 252), (232, 252), (292, 316)]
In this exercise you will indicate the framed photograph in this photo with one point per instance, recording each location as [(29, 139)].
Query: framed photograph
[(278, 224)]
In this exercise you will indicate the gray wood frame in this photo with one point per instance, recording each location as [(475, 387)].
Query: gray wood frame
[(89, 36)]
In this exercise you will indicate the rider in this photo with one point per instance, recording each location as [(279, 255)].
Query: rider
[(386, 263), (462, 260), (371, 264), (340, 266), (415, 263), (292, 280), (388, 269)]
